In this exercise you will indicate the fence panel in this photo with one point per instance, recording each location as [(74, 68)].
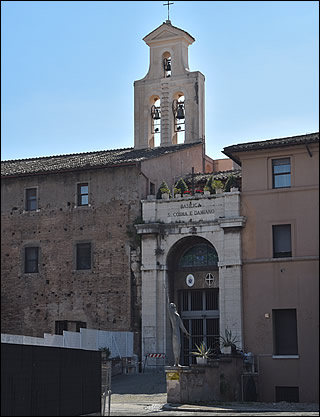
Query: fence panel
[(49, 381)]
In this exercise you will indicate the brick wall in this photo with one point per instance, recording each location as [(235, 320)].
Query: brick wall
[(101, 297)]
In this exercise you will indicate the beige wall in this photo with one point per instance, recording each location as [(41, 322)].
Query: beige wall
[(281, 283), (173, 166)]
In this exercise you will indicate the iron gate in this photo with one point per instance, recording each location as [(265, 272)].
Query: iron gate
[(200, 314)]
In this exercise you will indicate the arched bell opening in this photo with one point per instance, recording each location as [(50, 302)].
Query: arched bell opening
[(166, 62), (155, 122), (179, 118), (193, 285)]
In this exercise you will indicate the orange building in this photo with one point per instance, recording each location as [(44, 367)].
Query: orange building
[(280, 255)]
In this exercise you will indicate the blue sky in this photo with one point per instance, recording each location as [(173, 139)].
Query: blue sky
[(67, 71)]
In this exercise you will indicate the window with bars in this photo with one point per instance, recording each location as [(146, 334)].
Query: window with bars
[(31, 199), (31, 260), (83, 194), (199, 300), (281, 173), (83, 255)]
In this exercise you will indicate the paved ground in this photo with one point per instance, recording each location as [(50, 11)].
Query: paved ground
[(145, 394)]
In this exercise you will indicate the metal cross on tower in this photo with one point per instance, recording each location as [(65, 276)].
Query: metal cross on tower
[(168, 4)]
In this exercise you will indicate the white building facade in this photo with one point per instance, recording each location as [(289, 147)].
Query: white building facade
[(192, 247)]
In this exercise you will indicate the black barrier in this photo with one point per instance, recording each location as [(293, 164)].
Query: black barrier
[(49, 381)]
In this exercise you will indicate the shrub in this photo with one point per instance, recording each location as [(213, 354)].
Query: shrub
[(163, 189), (182, 186)]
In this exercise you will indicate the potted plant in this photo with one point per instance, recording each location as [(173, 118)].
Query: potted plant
[(202, 354), (228, 343), (177, 192), (163, 191), (214, 186), (181, 186), (217, 186), (231, 183), (105, 353)]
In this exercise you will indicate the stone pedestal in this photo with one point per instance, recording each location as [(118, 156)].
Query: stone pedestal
[(174, 387), (219, 380)]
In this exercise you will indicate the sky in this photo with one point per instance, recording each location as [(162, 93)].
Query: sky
[(68, 68)]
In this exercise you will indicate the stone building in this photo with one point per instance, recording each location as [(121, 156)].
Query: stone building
[(70, 252), (85, 242)]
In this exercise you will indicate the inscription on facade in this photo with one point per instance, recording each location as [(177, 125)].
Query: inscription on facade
[(191, 209)]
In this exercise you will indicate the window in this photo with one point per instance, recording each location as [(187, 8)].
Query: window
[(84, 256), (281, 173), (31, 258), (199, 255), (285, 332), (83, 194), (31, 199), (282, 241), (71, 326), (152, 188)]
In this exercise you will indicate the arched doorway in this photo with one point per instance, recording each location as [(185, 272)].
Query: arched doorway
[(193, 284)]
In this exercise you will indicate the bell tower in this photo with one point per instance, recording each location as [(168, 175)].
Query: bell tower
[(169, 100)]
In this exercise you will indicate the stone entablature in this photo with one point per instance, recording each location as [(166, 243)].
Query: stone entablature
[(218, 208)]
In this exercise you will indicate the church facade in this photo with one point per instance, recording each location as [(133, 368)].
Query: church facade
[(86, 243)]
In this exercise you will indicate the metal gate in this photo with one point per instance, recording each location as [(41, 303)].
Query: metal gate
[(199, 310)]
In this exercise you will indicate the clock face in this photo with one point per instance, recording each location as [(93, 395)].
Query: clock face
[(190, 280)]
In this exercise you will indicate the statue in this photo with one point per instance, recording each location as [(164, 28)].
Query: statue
[(176, 324)]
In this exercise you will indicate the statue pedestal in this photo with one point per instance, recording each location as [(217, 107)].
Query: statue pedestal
[(174, 387)]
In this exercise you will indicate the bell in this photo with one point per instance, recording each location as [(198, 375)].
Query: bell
[(167, 64), (180, 112), (156, 114)]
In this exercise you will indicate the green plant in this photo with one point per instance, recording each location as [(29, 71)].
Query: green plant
[(217, 184), (231, 182), (163, 189), (105, 350), (203, 351), (208, 186), (212, 185), (229, 339), (181, 186)]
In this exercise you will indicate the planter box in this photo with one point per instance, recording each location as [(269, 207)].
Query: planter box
[(201, 361), (226, 350), (165, 196)]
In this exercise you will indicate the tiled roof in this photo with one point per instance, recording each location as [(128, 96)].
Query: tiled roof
[(88, 160), (272, 143)]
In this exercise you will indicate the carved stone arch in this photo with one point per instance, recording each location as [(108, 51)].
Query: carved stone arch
[(176, 251), (193, 285)]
